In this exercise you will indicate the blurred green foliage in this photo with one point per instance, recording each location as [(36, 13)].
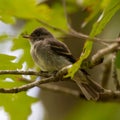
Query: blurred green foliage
[(95, 111)]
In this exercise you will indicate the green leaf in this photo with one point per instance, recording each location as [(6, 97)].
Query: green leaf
[(105, 17), (17, 8), (3, 36), (43, 12), (87, 50), (25, 9), (8, 19), (14, 101), (18, 106), (57, 19), (21, 43), (6, 62)]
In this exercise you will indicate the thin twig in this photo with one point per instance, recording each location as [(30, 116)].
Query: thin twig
[(106, 72), (110, 49), (16, 72), (55, 88), (110, 95), (73, 33), (19, 72), (79, 34), (114, 73), (27, 86), (51, 26)]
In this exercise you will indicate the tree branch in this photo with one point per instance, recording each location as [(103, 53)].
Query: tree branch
[(114, 73), (109, 49), (110, 96), (107, 95), (106, 72), (27, 86), (16, 72), (52, 78)]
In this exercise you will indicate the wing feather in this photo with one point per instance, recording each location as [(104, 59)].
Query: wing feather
[(60, 48)]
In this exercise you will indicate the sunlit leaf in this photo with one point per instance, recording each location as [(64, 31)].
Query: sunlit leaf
[(14, 101), (25, 9), (6, 62), (3, 36), (17, 105), (57, 19), (21, 43), (7, 19), (43, 12)]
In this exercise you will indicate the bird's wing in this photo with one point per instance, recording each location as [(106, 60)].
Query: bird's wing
[(61, 49)]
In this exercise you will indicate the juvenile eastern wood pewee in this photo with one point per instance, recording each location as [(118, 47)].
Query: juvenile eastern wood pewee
[(52, 55)]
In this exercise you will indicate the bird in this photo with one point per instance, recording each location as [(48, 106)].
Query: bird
[(52, 55)]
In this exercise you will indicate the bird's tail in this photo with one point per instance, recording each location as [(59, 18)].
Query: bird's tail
[(89, 88)]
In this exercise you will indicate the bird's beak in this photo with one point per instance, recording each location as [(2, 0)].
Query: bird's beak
[(26, 36)]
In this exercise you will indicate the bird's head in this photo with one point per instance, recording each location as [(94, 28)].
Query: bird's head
[(38, 34)]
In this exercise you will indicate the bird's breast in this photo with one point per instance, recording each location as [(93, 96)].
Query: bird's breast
[(47, 60)]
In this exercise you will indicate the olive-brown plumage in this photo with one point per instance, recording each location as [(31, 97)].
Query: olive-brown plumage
[(52, 55)]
